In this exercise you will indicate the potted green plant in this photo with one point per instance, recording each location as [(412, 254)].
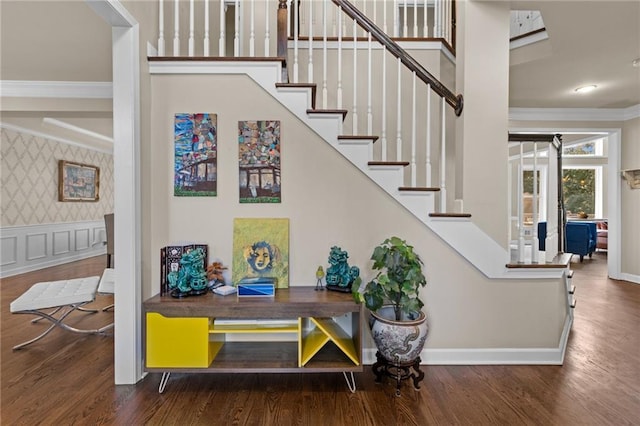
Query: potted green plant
[(398, 324)]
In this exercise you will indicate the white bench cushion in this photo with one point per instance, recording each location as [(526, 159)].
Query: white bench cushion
[(108, 281), (52, 294)]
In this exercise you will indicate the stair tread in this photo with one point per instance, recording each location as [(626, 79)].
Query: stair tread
[(214, 59), (419, 189), (449, 214), (358, 137), (561, 260), (388, 163), (328, 111), (572, 290)]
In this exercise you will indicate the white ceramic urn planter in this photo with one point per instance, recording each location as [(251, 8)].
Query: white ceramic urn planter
[(399, 342)]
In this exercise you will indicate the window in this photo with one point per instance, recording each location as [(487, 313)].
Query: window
[(582, 190)]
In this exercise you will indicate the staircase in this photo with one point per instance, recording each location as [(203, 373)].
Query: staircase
[(336, 125)]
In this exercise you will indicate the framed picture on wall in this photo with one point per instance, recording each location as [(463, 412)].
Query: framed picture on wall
[(78, 182)]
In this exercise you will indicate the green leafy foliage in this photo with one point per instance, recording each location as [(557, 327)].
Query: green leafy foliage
[(398, 280)]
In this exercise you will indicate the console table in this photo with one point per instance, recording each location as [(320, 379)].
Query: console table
[(299, 330)]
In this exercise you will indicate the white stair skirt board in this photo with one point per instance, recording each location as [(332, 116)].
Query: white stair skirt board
[(490, 356)]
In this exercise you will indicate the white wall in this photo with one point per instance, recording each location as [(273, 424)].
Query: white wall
[(630, 205)]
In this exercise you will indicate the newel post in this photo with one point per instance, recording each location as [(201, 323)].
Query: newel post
[(282, 37)]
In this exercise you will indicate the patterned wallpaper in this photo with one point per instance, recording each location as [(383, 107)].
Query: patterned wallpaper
[(30, 181)]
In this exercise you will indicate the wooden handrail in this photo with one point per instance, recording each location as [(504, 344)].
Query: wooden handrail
[(456, 102)]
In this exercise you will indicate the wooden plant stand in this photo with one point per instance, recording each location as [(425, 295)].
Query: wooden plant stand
[(399, 372)]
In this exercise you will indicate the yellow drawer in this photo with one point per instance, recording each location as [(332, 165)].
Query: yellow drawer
[(178, 342)]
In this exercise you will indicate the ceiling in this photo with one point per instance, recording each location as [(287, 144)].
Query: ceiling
[(589, 42)]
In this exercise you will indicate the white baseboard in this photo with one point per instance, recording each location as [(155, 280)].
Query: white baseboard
[(490, 356), (631, 278), (33, 247)]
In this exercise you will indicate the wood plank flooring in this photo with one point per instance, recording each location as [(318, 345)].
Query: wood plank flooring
[(67, 378)]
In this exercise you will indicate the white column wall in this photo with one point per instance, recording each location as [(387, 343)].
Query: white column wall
[(482, 74)]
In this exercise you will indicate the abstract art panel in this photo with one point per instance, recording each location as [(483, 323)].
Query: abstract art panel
[(196, 155), (259, 161), (261, 250)]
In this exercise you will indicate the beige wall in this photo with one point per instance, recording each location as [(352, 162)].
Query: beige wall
[(30, 181), (329, 202), (481, 133), (630, 199)]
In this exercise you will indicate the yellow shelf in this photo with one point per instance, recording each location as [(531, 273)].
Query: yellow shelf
[(326, 329), (311, 344), (290, 327)]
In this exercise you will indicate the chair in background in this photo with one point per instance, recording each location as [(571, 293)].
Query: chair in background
[(108, 226), (580, 238), (602, 241)]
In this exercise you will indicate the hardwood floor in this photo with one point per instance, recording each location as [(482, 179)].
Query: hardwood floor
[(67, 378)]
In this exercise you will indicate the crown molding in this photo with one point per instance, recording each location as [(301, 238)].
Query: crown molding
[(574, 114), (56, 89), (35, 133)]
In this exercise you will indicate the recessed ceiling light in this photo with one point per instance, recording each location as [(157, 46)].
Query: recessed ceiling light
[(586, 89), (636, 63)]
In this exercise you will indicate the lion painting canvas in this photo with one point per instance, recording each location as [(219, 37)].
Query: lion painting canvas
[(261, 249)]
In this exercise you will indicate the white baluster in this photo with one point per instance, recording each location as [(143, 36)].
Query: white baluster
[(447, 20), (521, 206), (415, 18), (425, 25), (206, 29), (221, 41), (413, 131), (396, 23), (535, 255), (334, 21), (161, 50), (369, 77), (191, 29), (310, 66), (252, 31), (437, 18), (364, 10), (176, 29), (296, 24), (267, 35), (325, 93), (443, 159), (399, 115), (339, 93), (236, 35), (428, 141), (384, 18), (355, 79), (289, 12), (383, 133), (405, 26), (375, 13)]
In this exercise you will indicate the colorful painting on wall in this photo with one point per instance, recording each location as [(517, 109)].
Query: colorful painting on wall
[(196, 152), (259, 161), (261, 249)]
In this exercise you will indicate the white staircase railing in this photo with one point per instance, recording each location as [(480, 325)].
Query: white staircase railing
[(386, 92)]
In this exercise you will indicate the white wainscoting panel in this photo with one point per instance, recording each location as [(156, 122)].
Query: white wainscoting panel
[(61, 242), (32, 247), (36, 246), (8, 250)]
